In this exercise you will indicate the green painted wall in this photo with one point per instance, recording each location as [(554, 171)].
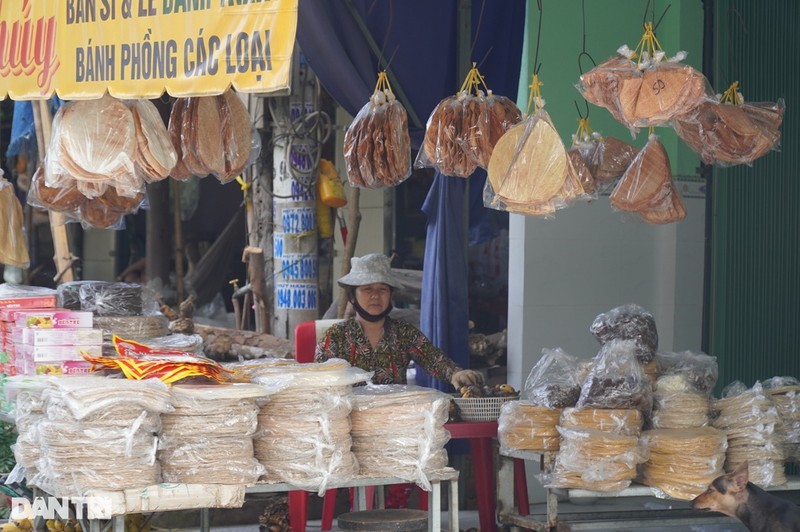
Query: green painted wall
[(609, 25)]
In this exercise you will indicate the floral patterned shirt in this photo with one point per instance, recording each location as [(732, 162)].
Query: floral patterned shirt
[(401, 343)]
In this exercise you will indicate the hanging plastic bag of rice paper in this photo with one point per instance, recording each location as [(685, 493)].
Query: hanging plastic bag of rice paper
[(554, 381), (377, 147), (463, 129), (63, 197), (529, 171), (726, 131), (581, 153), (610, 159), (13, 244)]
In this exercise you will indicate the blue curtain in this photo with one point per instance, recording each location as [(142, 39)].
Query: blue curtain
[(419, 39)]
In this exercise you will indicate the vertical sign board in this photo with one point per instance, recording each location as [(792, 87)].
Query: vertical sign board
[(80, 49)]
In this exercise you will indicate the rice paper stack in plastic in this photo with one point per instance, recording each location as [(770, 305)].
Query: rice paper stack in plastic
[(303, 433), (208, 439), (398, 431)]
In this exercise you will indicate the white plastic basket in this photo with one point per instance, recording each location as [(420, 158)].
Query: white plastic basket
[(481, 408)]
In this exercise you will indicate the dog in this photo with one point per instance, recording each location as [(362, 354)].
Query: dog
[(734, 495)]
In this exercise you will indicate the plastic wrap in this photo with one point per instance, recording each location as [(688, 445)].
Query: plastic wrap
[(530, 172), (594, 460), (111, 298), (142, 328), (85, 395), (645, 94), (212, 135), (647, 188), (698, 371), (114, 477), (554, 381), (526, 426), (155, 154), (464, 129), (628, 322), (65, 197), (13, 244), (398, 430), (677, 404), (755, 432), (377, 146), (727, 134), (682, 463), (334, 372), (212, 460), (610, 159), (616, 379), (619, 421)]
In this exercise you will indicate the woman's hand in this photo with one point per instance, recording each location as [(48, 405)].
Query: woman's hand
[(466, 377)]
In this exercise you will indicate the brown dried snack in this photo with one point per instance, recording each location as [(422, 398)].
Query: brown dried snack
[(646, 181), (366, 152), (236, 134), (180, 171), (155, 153), (615, 85), (99, 214), (207, 135), (628, 322), (668, 90), (62, 198), (611, 158), (120, 203), (670, 209), (98, 138), (350, 149), (189, 126), (582, 170)]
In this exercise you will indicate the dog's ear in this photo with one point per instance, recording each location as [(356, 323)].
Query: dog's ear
[(740, 477)]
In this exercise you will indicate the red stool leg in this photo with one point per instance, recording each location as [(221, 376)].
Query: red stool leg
[(483, 466), (328, 509), (521, 487), (369, 492), (423, 499), (298, 509)]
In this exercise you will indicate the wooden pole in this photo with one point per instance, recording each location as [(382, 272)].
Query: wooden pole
[(353, 223), (61, 254), (178, 230)]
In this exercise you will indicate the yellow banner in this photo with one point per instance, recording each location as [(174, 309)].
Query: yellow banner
[(141, 48)]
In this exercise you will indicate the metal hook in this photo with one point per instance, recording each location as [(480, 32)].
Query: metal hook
[(580, 55)]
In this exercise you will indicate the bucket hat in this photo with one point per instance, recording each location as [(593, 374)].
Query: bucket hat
[(372, 268)]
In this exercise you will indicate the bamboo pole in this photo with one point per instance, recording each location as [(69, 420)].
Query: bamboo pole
[(62, 257)]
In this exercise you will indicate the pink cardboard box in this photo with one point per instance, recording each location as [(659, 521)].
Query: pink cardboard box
[(49, 353), (63, 367), (29, 302), (53, 319), (41, 337)]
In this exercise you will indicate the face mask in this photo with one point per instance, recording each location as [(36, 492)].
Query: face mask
[(366, 315)]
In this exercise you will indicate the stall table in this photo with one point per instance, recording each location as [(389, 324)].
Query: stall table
[(678, 513)]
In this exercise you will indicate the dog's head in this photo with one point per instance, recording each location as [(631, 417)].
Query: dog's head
[(725, 493)]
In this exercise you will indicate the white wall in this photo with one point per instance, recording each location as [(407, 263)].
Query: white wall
[(564, 272)]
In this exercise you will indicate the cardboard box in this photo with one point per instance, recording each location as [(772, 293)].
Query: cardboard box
[(28, 302), (51, 337), (49, 353), (59, 367), (53, 319), (163, 497)]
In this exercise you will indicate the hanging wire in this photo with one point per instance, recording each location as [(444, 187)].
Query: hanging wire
[(579, 109), (583, 53), (536, 64), (477, 32)]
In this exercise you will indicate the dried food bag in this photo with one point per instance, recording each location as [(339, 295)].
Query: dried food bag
[(628, 322), (617, 380), (646, 181), (581, 153), (727, 131), (13, 244), (463, 129), (64, 197), (537, 177), (669, 89), (698, 370), (240, 143), (377, 146), (554, 381), (611, 158), (613, 85)]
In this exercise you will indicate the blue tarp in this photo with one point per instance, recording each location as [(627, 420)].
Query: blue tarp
[(419, 39)]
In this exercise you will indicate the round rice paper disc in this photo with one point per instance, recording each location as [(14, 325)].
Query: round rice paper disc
[(208, 134), (503, 154), (180, 171), (236, 133), (98, 137), (646, 180), (153, 140), (539, 170), (668, 90)]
